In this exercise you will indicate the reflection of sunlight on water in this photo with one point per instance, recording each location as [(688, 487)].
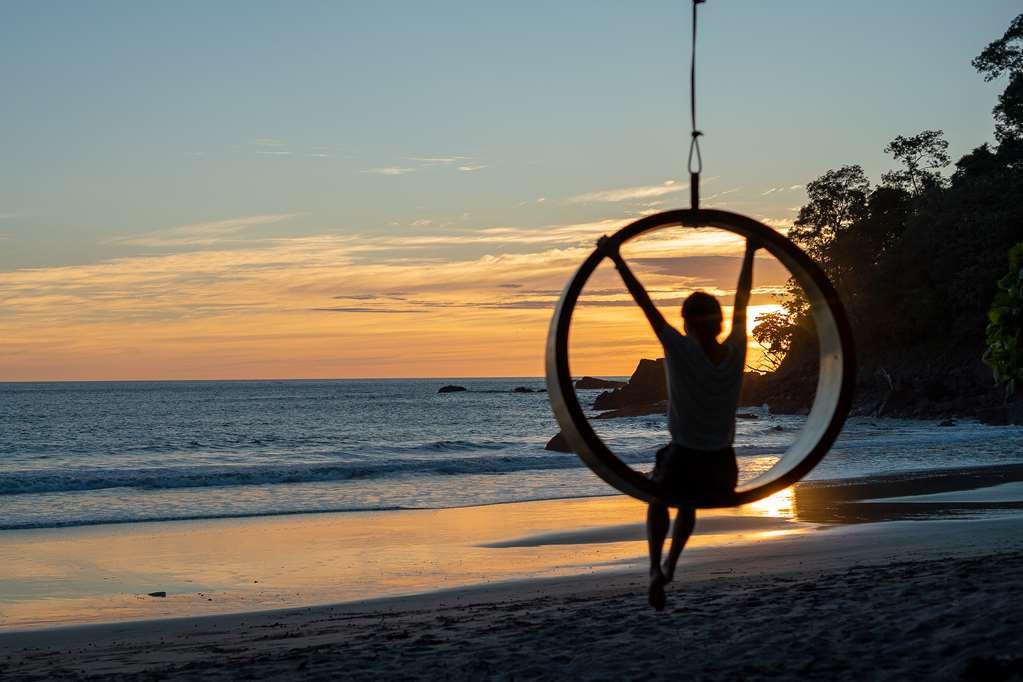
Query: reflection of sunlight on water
[(778, 533), (751, 467), (779, 505)]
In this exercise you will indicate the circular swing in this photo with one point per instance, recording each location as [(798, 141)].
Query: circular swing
[(837, 361), (834, 384)]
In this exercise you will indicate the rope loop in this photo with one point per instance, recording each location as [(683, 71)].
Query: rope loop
[(694, 144), (694, 152)]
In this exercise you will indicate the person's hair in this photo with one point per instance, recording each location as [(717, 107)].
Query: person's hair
[(700, 305)]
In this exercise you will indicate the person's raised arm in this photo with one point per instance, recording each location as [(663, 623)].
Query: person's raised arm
[(610, 248), (742, 289)]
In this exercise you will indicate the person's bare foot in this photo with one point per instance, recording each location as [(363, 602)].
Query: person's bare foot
[(656, 593)]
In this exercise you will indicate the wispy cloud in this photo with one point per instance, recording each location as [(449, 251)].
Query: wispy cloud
[(629, 193), (718, 195), (200, 234), (389, 170), (364, 309), (466, 164), (781, 188), (227, 312), (270, 146), (781, 224), (438, 160)]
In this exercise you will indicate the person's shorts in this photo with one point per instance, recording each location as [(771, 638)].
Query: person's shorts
[(695, 474)]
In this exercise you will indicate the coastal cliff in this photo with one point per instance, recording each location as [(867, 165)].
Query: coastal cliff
[(907, 387)]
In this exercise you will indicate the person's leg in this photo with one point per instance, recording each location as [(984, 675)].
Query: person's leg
[(657, 522), (685, 521)]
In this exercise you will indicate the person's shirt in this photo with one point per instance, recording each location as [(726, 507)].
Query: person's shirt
[(702, 395)]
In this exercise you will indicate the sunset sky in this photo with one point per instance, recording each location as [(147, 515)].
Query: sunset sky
[(339, 189)]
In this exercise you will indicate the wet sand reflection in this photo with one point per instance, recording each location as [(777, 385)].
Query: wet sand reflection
[(104, 573), (910, 495)]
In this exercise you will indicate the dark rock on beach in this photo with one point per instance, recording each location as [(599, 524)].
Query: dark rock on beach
[(157, 594), (558, 444), (587, 383), (451, 389)]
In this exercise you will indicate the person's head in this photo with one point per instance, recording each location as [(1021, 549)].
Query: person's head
[(701, 315)]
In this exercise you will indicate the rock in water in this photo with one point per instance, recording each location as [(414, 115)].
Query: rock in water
[(558, 444), (594, 382), (451, 389), (523, 389), (635, 411), (646, 385)]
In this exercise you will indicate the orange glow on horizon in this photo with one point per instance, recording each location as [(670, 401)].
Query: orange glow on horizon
[(341, 307)]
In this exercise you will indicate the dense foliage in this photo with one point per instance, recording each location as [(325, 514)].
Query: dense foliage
[(916, 257), (1005, 329)]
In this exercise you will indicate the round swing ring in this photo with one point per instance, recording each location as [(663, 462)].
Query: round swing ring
[(835, 381)]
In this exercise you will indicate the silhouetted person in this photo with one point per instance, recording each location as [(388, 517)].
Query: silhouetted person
[(704, 378)]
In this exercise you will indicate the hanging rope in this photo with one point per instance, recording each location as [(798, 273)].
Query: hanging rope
[(694, 144)]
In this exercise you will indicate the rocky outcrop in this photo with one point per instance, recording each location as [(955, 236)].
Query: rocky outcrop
[(451, 389), (919, 387), (558, 444), (647, 389), (523, 389), (1003, 415), (587, 383), (645, 386)]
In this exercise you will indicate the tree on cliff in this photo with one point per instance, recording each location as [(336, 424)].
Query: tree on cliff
[(1005, 55), (923, 156), (915, 258)]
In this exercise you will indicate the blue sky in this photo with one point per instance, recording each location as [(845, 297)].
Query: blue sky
[(129, 128), (127, 117)]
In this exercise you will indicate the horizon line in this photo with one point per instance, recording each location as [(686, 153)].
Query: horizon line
[(426, 378)]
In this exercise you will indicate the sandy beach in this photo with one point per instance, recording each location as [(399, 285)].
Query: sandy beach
[(866, 610), (762, 594)]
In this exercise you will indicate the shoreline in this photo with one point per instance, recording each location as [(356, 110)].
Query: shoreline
[(966, 477), (67, 576), (756, 610)]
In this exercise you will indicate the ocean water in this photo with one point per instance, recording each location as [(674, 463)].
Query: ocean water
[(112, 452)]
